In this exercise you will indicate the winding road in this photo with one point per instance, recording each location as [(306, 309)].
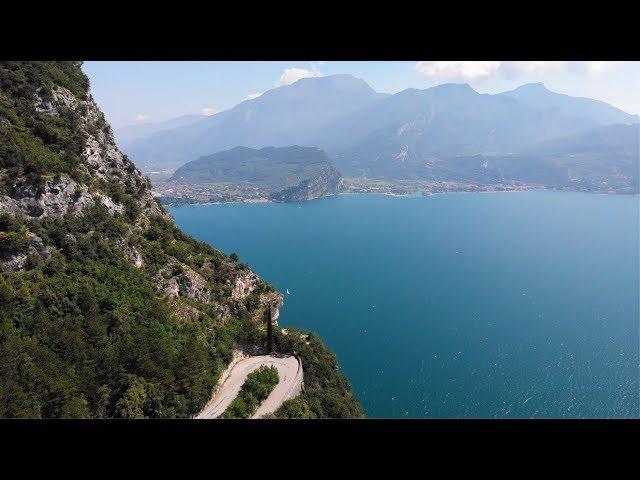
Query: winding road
[(289, 386)]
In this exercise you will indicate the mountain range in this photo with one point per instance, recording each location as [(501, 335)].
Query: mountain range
[(415, 134), (128, 134), (284, 116), (604, 159)]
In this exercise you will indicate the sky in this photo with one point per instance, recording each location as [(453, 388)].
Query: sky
[(132, 93)]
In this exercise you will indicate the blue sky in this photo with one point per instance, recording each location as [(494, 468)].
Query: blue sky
[(138, 92)]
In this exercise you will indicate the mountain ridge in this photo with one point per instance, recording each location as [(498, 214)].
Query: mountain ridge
[(128, 133), (388, 136), (282, 116), (604, 159), (538, 96), (441, 121)]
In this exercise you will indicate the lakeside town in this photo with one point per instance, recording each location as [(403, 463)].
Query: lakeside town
[(190, 193)]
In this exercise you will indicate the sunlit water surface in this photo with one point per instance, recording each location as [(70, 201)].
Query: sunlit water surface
[(463, 305)]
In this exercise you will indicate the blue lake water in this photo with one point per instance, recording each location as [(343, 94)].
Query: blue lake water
[(463, 305)]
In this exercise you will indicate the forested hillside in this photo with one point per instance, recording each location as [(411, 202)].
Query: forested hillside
[(107, 309), (278, 174)]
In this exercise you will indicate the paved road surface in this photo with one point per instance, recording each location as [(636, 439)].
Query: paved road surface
[(289, 385)]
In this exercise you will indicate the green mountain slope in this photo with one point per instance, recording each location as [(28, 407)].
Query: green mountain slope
[(106, 308), (604, 159), (280, 174)]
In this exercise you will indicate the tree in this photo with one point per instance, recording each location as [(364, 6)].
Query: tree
[(131, 405), (269, 329)]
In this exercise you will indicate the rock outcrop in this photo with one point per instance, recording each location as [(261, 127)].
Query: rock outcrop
[(244, 284), (104, 176), (54, 198), (108, 309), (324, 183)]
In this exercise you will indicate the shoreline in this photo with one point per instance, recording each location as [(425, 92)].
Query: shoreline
[(400, 195)]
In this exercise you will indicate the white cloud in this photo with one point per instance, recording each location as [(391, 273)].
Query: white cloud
[(291, 75), (532, 67), (208, 111), (141, 118), (458, 70), (476, 70), (251, 96), (594, 67), (541, 68)]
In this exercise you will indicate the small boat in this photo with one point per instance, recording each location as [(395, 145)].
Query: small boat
[(288, 292)]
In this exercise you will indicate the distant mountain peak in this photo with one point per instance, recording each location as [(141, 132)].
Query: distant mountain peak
[(338, 80), (539, 97), (443, 88), (453, 88), (335, 76), (287, 115), (534, 86), (453, 85)]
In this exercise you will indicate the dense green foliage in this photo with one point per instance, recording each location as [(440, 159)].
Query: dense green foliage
[(327, 393), (254, 391), (273, 167), (83, 332), (11, 242), (34, 143)]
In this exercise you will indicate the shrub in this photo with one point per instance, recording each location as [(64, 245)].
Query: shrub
[(254, 391), (11, 242)]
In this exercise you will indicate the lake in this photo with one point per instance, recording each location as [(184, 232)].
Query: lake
[(490, 305)]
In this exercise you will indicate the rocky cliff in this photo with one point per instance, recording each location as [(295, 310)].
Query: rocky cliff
[(82, 239), (103, 177), (107, 309), (325, 182)]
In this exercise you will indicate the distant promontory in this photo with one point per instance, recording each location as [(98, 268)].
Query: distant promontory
[(269, 174)]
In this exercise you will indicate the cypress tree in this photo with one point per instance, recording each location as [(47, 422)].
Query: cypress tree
[(269, 330)]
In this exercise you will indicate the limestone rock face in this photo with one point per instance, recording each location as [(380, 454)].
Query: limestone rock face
[(244, 284), (101, 161), (61, 96), (276, 300), (18, 260), (14, 262), (54, 198), (102, 175), (194, 286), (324, 183), (176, 279), (169, 287), (131, 253)]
